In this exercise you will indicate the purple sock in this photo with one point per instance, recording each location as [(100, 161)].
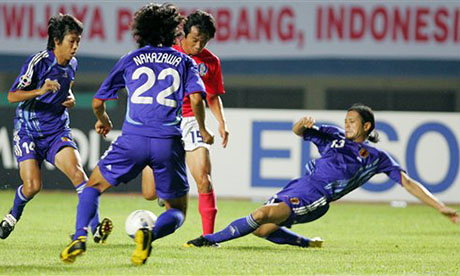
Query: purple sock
[(167, 223), (238, 228), (20, 201), (95, 220), (284, 236), (87, 208)]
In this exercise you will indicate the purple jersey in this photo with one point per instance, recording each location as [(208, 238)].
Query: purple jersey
[(157, 79), (345, 165), (43, 115)]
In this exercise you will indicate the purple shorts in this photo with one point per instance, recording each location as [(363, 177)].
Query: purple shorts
[(128, 155), (41, 148), (306, 202)]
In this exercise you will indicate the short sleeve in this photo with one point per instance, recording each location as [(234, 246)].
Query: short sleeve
[(30, 73), (193, 82), (390, 167), (113, 83), (215, 83)]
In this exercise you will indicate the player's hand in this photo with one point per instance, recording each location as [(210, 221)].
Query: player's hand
[(223, 132), (69, 101), (103, 128), (450, 213), (49, 85), (308, 122), (207, 137)]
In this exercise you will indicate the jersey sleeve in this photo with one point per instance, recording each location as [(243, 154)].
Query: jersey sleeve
[(215, 83), (193, 82), (390, 167), (323, 132), (30, 73), (113, 83)]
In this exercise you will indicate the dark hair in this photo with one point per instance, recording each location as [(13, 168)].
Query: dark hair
[(203, 21), (61, 25), (156, 25), (367, 115)]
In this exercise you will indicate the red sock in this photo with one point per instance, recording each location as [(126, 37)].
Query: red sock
[(208, 210)]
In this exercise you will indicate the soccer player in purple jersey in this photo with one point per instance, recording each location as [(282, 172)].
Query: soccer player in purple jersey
[(157, 78), (347, 161), (43, 90)]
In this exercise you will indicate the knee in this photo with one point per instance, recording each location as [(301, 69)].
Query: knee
[(77, 175), (204, 183), (260, 233), (260, 215), (149, 195), (31, 187)]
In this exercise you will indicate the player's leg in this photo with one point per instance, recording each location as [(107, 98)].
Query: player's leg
[(273, 214), (30, 174), (199, 163), (281, 235), (148, 184), (86, 209), (168, 163), (68, 161)]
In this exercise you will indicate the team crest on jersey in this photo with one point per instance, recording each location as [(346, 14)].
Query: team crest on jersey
[(202, 69), (294, 200), (363, 153)]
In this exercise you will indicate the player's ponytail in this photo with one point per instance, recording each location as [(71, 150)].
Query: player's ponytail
[(367, 115)]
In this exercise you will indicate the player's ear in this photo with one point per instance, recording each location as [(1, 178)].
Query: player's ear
[(367, 126)]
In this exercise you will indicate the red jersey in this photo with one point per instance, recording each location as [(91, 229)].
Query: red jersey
[(211, 74)]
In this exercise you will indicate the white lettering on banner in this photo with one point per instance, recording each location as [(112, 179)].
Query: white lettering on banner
[(274, 30)]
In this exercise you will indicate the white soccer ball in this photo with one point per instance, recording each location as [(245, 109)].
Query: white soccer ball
[(139, 219)]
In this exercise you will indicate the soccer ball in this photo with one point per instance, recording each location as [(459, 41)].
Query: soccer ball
[(139, 219)]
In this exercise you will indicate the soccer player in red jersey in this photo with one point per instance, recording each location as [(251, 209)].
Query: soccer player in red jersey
[(199, 29)]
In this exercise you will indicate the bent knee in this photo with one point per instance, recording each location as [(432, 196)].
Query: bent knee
[(31, 187)]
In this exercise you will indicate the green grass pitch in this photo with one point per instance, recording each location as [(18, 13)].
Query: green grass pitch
[(360, 239)]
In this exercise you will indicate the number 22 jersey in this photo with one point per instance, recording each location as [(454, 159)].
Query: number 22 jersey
[(156, 79)]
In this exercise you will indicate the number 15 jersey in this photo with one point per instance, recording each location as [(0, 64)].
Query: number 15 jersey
[(156, 79)]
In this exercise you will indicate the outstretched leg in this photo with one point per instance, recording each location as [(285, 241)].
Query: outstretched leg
[(282, 235), (276, 213)]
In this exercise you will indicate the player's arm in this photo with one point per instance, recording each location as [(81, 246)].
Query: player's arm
[(198, 109), (303, 124), (417, 189), (103, 124), (217, 108), (22, 95)]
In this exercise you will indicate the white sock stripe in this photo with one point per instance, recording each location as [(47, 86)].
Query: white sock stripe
[(79, 189), (21, 195), (252, 222)]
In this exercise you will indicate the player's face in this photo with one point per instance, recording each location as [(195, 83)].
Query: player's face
[(67, 49), (354, 127), (194, 42)]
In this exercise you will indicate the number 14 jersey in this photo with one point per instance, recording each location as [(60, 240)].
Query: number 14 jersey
[(156, 79)]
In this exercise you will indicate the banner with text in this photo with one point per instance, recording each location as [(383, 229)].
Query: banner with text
[(258, 29)]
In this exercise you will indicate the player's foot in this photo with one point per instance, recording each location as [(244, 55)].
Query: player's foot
[(103, 230), (143, 239), (74, 249), (201, 242), (7, 226), (161, 202), (316, 242)]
